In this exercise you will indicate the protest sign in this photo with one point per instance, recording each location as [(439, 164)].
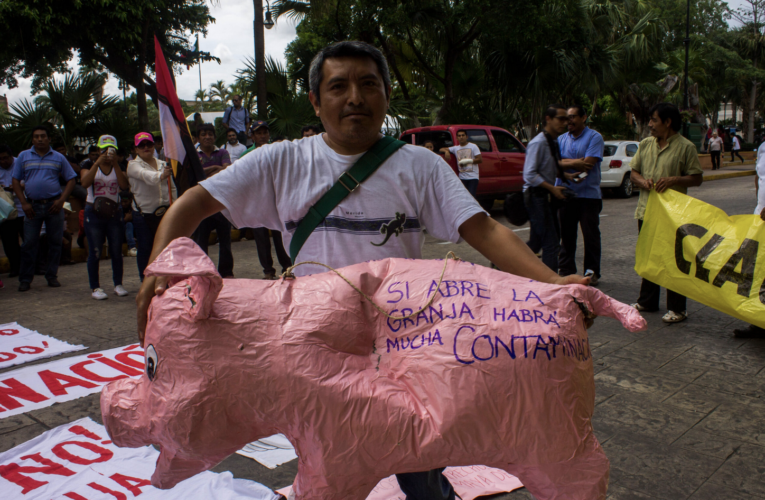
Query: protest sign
[(697, 250), (468, 482), (66, 379), (19, 345), (78, 462)]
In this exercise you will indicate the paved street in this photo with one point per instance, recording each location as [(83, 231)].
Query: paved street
[(679, 411)]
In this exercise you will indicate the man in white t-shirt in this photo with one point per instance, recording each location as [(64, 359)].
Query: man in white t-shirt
[(275, 186), (468, 158), (233, 146)]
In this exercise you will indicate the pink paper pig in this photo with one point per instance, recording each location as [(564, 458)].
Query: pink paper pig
[(498, 372)]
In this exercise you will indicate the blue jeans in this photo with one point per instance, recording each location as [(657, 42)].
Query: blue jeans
[(54, 228), (430, 485), (471, 185), (129, 239), (544, 227), (144, 235), (98, 229)]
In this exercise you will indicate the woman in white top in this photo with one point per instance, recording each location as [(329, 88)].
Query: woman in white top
[(103, 214), (152, 190)]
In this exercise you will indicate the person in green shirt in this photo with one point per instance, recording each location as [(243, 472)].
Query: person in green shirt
[(666, 160)]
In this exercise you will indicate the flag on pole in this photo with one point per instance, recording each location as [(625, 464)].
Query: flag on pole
[(179, 147)]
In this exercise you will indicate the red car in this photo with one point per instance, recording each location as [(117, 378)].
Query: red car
[(501, 172)]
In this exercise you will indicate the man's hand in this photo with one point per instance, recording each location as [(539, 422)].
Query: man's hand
[(665, 183), (151, 286), (572, 279), (557, 191), (56, 207), (646, 184), (762, 214), (29, 211), (210, 171)]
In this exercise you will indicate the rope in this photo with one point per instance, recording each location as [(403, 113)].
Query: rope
[(288, 275)]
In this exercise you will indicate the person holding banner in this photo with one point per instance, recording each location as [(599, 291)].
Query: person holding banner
[(150, 183), (276, 186), (666, 160)]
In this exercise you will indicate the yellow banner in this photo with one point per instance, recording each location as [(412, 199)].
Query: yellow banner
[(695, 249)]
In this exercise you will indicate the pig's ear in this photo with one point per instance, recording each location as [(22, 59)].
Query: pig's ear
[(184, 259)]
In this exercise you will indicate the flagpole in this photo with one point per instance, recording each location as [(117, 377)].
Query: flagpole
[(199, 63)]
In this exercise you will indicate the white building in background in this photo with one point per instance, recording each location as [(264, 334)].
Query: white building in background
[(725, 112)]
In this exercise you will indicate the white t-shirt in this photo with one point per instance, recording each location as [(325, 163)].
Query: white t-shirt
[(105, 186), (715, 144), (761, 174), (235, 151), (736, 144), (470, 150), (413, 190)]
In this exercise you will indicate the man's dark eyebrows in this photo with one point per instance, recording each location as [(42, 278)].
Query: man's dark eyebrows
[(336, 79)]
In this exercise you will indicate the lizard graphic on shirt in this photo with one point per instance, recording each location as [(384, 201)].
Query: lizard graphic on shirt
[(394, 227)]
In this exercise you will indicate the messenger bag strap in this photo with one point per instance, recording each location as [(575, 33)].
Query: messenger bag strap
[(347, 183)]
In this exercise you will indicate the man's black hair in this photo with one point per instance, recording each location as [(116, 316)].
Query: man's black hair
[(461, 130), (57, 145), (668, 111), (206, 127), (580, 111), (231, 130), (429, 141), (305, 129), (346, 49), (4, 148), (43, 128), (552, 110), (92, 149)]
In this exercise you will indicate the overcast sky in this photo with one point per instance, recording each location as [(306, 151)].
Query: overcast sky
[(231, 39)]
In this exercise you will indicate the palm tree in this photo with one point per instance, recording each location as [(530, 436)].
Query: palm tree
[(16, 131), (76, 102), (219, 91)]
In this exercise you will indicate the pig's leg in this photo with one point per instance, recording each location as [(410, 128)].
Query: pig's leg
[(584, 477)]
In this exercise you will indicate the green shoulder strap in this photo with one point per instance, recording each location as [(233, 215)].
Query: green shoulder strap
[(345, 185)]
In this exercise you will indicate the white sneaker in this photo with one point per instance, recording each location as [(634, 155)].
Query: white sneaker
[(133, 252), (120, 291), (99, 294)]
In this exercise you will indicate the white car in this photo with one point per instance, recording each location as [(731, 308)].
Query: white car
[(615, 169)]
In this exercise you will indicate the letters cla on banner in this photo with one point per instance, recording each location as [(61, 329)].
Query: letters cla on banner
[(696, 249)]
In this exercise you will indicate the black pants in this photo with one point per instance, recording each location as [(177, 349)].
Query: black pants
[(715, 159), (222, 227), (430, 485), (735, 152), (650, 293), (242, 137), (576, 212), (10, 232), (263, 244)]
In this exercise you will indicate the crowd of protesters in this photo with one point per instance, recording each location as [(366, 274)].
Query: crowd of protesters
[(116, 198)]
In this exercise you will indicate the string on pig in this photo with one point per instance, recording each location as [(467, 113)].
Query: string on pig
[(449, 255)]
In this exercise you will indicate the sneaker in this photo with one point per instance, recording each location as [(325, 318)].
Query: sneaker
[(99, 294), (53, 283), (593, 277), (751, 332), (269, 276), (133, 252), (120, 291), (673, 317), (642, 308), (24, 286)]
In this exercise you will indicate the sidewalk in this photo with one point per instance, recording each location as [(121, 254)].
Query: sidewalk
[(730, 170)]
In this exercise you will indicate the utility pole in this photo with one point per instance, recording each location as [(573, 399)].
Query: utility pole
[(687, 42), (260, 60)]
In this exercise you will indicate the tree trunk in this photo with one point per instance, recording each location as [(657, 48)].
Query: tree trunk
[(260, 61), (751, 110), (734, 110), (446, 106)]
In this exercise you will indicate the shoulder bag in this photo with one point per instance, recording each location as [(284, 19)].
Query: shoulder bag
[(347, 183)]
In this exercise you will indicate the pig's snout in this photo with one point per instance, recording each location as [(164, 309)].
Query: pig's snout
[(123, 414)]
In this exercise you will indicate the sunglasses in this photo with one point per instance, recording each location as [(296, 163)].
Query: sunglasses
[(563, 118), (145, 145)]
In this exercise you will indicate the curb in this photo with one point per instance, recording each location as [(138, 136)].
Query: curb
[(728, 175)]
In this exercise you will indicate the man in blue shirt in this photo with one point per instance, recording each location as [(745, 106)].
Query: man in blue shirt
[(238, 118), (581, 150), (42, 200)]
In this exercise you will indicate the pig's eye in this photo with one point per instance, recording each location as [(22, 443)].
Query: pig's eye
[(152, 361)]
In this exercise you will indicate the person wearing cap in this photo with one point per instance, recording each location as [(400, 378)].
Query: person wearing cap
[(261, 135), (103, 214), (152, 190), (42, 199), (214, 160)]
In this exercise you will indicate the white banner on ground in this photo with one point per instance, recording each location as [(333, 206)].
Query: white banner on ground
[(76, 461), (19, 345), (270, 452), (469, 483), (66, 379)]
